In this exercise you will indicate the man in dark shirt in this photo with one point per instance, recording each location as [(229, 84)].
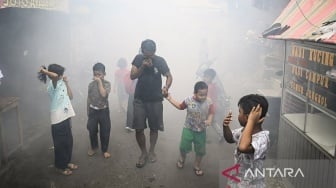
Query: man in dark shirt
[(148, 68)]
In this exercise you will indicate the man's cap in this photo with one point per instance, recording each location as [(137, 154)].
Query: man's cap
[(148, 45)]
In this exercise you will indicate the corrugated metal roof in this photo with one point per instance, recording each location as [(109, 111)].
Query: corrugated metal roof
[(312, 20)]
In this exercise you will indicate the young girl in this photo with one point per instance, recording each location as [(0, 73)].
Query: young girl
[(61, 112), (200, 111)]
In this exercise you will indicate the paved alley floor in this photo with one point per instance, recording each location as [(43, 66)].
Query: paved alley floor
[(32, 166)]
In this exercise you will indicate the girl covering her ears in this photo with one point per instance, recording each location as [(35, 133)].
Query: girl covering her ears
[(61, 112)]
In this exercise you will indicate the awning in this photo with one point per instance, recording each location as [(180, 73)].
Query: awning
[(59, 5), (312, 20)]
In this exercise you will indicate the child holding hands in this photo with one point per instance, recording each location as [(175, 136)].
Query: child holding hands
[(200, 111)]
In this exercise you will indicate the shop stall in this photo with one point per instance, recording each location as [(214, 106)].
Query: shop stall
[(307, 128)]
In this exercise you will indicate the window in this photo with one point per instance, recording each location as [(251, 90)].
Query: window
[(309, 93)]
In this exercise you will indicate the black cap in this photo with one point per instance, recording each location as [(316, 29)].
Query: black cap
[(148, 45)]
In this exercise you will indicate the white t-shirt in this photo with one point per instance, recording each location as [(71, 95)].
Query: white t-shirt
[(260, 143), (197, 113), (61, 108)]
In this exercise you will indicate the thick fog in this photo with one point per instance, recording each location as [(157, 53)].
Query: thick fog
[(187, 33)]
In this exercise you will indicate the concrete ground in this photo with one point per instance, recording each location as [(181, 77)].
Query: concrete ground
[(32, 166)]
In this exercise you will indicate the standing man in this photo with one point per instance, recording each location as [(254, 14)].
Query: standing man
[(148, 69)]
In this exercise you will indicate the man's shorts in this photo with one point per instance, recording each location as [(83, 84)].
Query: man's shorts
[(151, 112), (189, 137)]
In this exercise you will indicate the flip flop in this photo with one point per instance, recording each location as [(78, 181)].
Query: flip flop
[(72, 166), (180, 164), (91, 152), (141, 162), (198, 172), (65, 172)]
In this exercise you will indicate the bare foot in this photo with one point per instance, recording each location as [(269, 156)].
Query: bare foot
[(107, 155), (72, 166), (91, 152), (152, 157)]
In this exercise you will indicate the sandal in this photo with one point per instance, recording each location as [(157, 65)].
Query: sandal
[(65, 172), (152, 157), (180, 164), (142, 161), (198, 171), (72, 166), (91, 152), (107, 155)]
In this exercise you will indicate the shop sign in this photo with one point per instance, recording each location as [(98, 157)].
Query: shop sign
[(311, 72)]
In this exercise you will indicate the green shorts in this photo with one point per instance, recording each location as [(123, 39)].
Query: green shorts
[(189, 137)]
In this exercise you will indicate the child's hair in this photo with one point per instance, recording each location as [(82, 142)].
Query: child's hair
[(211, 73), (148, 45), (42, 77), (55, 68), (200, 85), (122, 63), (99, 67), (247, 102)]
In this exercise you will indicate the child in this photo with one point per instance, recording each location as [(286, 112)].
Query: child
[(200, 111), (130, 89), (252, 141), (61, 112), (214, 93), (118, 86), (98, 111)]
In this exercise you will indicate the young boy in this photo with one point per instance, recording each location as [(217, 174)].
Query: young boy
[(98, 111), (200, 111), (61, 112), (252, 141)]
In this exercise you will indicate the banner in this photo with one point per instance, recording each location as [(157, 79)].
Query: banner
[(59, 5)]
